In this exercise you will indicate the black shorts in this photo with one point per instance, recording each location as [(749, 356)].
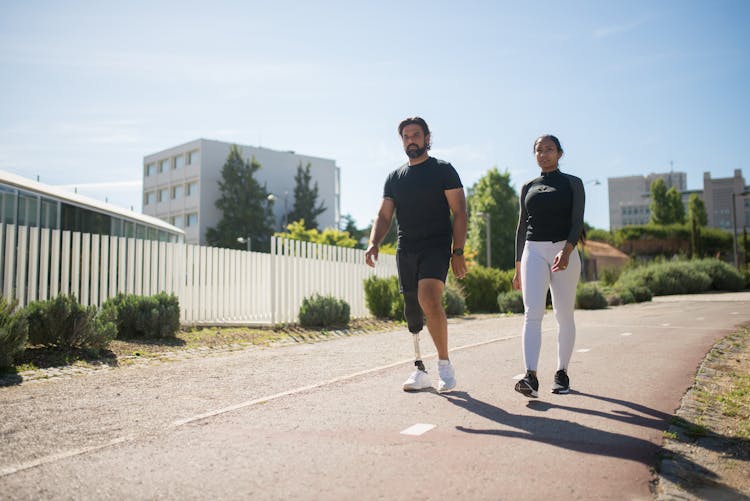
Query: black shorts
[(427, 263)]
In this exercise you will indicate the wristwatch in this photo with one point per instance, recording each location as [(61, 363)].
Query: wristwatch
[(458, 251)]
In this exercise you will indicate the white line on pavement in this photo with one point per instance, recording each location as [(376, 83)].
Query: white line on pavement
[(418, 429), (339, 379), (60, 455), (626, 333), (583, 350), (519, 376)]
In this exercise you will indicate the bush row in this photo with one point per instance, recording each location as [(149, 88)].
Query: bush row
[(64, 323), (384, 300), (683, 277)]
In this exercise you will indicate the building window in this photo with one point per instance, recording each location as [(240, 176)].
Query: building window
[(193, 157), (179, 161), (150, 169), (164, 165), (163, 195), (176, 192), (149, 198), (177, 221), (192, 188), (192, 220)]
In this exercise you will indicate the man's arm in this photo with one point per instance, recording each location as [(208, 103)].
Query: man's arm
[(380, 227), (457, 203)]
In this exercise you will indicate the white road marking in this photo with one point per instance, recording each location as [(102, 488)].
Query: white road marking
[(60, 455), (583, 350), (701, 318), (665, 325), (262, 400), (626, 333), (735, 313), (9, 470), (418, 429), (519, 376)]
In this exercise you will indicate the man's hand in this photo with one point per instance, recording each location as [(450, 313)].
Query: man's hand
[(371, 255), (458, 265)]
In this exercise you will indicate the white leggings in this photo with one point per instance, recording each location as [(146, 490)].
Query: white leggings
[(536, 279)]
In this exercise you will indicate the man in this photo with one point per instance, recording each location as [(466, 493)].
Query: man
[(423, 193)]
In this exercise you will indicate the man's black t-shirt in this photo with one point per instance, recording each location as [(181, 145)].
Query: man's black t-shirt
[(424, 218)]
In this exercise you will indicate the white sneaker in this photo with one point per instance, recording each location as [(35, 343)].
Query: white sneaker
[(419, 380), (447, 375)]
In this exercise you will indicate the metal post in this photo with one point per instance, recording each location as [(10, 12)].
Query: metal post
[(734, 233), (489, 248)]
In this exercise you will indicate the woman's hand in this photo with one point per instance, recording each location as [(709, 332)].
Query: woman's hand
[(517, 277), (560, 263)]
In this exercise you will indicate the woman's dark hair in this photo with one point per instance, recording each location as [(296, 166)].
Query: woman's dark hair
[(551, 138), (413, 121)]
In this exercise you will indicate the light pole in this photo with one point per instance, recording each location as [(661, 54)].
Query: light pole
[(486, 217), (272, 198), (734, 227), (246, 240)]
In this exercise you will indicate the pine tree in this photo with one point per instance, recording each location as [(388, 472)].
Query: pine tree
[(245, 208), (305, 199)]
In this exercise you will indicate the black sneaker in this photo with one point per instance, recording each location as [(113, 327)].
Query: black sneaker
[(528, 386), (562, 383)]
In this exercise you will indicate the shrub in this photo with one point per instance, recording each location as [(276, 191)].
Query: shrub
[(510, 302), (14, 332), (454, 302), (641, 293), (323, 311), (590, 297), (155, 316), (723, 276), (482, 285), (379, 296), (65, 323), (610, 275), (397, 300), (661, 279)]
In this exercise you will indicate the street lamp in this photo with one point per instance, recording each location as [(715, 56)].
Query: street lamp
[(486, 217), (245, 240), (272, 198), (734, 227)]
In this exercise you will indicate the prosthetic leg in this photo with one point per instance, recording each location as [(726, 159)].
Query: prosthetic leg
[(415, 322)]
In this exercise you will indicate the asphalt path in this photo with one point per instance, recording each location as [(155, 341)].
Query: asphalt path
[(329, 420)]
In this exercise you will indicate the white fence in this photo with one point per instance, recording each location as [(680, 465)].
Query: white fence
[(214, 286)]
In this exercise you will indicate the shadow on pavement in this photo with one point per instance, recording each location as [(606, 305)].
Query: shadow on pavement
[(562, 433)]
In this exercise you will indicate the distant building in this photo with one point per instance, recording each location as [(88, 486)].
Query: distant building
[(717, 196), (629, 202), (30, 203), (181, 184), (629, 199)]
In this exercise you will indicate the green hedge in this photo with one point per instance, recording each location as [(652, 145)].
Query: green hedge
[(724, 277), (510, 302), (137, 317), (677, 277), (324, 311), (384, 300), (590, 297), (482, 286), (64, 323), (14, 333)]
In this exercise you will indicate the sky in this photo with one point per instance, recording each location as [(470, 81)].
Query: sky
[(87, 89)]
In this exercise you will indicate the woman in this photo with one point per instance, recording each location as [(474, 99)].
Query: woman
[(549, 227)]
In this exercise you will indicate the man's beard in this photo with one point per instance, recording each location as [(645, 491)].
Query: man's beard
[(415, 152)]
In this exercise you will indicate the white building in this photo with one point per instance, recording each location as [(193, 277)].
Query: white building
[(717, 196), (30, 203), (181, 184), (629, 197)]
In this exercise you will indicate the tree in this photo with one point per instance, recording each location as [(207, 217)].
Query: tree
[(697, 218), (349, 225), (697, 210), (305, 199), (659, 204), (676, 209), (245, 210), (494, 195), (297, 231)]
